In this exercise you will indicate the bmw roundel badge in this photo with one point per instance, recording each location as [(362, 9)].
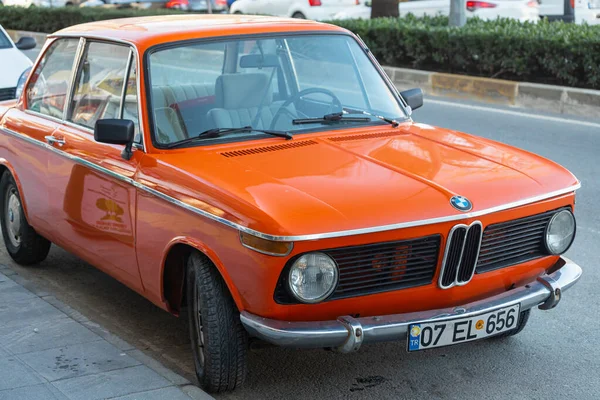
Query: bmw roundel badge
[(461, 203)]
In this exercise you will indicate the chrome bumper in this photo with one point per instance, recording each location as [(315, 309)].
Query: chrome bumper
[(346, 334)]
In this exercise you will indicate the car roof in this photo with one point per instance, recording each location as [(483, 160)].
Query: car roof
[(145, 32)]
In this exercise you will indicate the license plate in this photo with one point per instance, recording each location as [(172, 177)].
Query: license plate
[(428, 335)]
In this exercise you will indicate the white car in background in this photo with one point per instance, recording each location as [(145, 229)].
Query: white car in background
[(523, 10), (15, 65), (587, 11), (39, 3), (317, 10)]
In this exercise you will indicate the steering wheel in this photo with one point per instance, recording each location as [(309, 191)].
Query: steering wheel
[(283, 109)]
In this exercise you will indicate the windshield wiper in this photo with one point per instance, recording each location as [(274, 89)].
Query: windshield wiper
[(391, 121), (216, 132), (329, 118)]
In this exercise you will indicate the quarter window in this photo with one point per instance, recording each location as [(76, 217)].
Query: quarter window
[(99, 86), (48, 86)]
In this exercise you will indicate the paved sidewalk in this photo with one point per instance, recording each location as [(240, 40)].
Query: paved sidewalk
[(50, 351)]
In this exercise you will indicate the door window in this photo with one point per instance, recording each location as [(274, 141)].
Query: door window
[(48, 86), (99, 85)]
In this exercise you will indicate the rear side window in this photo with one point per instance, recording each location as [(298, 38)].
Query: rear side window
[(99, 84), (47, 89)]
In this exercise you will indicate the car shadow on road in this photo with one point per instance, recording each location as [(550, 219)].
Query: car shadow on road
[(377, 371)]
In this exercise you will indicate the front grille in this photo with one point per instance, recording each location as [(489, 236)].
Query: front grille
[(376, 268), (7, 93), (462, 249), (509, 243)]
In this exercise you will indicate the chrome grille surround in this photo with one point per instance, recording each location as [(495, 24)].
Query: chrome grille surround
[(460, 255)]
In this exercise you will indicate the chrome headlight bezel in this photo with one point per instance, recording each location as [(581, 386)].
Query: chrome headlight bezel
[(549, 227), (294, 265)]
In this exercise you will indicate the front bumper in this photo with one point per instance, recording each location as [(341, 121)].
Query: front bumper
[(346, 334)]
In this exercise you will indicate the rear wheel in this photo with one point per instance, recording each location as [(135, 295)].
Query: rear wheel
[(219, 340), (523, 318), (298, 15), (22, 242)]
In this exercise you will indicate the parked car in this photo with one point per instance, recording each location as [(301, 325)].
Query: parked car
[(40, 3), (14, 73), (306, 210), (523, 10), (317, 10), (197, 5), (587, 11)]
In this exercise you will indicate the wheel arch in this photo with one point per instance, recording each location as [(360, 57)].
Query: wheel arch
[(174, 266), (6, 166)]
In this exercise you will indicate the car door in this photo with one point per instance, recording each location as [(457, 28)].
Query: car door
[(27, 129), (420, 8), (92, 196), (278, 8)]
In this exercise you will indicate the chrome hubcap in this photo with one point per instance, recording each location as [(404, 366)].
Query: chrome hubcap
[(13, 217)]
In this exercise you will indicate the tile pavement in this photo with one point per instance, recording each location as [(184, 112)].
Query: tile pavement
[(50, 351)]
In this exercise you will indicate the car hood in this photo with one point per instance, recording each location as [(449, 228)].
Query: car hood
[(11, 71), (373, 177)]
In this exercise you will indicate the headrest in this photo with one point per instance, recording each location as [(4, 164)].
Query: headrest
[(245, 90)]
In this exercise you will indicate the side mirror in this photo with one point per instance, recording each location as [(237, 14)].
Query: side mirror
[(26, 43), (116, 131), (413, 97)]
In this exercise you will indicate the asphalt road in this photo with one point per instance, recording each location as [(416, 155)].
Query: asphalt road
[(557, 356)]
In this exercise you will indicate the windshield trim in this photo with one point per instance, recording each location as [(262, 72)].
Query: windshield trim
[(190, 42)]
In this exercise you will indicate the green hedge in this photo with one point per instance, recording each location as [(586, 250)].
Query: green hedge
[(545, 52), (554, 53)]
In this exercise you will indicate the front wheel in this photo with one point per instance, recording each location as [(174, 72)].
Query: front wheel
[(23, 243), (219, 340)]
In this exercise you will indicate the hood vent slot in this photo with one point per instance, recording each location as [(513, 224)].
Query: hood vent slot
[(363, 136), (266, 149)]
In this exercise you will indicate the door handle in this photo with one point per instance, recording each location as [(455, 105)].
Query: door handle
[(53, 140)]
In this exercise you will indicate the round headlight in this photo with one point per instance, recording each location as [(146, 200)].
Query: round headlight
[(560, 232), (313, 277)]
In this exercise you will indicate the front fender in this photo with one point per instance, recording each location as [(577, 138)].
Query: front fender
[(212, 256)]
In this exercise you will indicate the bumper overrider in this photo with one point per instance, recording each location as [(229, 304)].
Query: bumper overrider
[(347, 334)]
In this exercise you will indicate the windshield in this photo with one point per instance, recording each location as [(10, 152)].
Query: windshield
[(4, 41), (275, 83)]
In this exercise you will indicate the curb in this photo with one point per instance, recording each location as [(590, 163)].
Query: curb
[(192, 391), (558, 99)]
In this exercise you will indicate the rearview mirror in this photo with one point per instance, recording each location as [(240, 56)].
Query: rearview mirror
[(413, 97), (116, 131), (259, 61), (26, 43)]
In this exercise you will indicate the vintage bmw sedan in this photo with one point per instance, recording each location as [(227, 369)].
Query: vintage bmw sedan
[(266, 175)]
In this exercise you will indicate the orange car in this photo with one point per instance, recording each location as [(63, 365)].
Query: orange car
[(266, 174)]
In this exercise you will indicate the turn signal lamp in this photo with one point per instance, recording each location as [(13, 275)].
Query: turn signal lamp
[(265, 246)]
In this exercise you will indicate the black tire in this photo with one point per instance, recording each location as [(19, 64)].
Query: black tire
[(23, 243), (298, 15), (219, 340), (523, 318)]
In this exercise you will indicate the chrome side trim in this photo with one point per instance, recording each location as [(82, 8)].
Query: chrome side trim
[(343, 332), (316, 236)]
